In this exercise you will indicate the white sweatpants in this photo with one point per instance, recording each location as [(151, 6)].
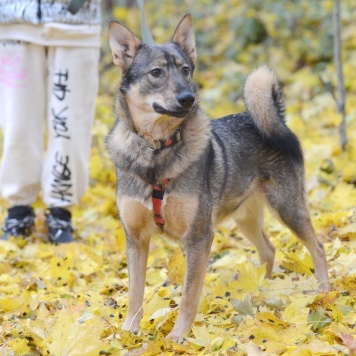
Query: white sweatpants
[(38, 84)]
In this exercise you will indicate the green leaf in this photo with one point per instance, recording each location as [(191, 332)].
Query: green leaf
[(244, 307), (318, 319)]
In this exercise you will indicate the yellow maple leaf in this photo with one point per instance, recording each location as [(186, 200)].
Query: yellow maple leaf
[(271, 318), (62, 269), (250, 277), (20, 346), (300, 262), (68, 337), (176, 267), (154, 305)]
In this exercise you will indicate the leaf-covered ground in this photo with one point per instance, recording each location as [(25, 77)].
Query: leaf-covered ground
[(72, 299)]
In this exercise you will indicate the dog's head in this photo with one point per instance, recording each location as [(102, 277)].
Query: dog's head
[(157, 80)]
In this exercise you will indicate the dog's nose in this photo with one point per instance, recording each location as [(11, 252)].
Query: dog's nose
[(186, 99)]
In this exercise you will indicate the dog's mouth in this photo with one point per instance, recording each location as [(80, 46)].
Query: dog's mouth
[(179, 113)]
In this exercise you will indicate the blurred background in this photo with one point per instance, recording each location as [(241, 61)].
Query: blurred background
[(233, 37), (295, 38)]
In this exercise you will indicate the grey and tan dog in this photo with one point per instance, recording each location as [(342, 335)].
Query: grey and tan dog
[(179, 173)]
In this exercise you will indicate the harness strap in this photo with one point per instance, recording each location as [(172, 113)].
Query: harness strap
[(157, 197)]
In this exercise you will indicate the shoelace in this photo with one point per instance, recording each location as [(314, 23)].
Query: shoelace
[(58, 224), (12, 224)]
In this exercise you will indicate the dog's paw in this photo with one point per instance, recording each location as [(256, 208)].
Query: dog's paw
[(130, 325), (324, 287), (174, 337), (177, 333)]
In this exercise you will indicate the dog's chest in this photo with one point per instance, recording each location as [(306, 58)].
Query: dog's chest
[(178, 213)]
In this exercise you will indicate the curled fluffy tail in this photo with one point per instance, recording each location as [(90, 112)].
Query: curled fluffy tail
[(265, 103)]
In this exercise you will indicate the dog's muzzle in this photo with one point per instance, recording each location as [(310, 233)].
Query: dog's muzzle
[(180, 113), (185, 101)]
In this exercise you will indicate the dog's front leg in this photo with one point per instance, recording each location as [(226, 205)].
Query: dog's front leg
[(137, 252), (197, 250)]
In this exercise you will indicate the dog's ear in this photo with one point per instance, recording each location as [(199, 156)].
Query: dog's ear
[(184, 37), (124, 44)]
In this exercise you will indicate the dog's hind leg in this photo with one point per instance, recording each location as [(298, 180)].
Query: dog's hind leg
[(290, 205), (197, 249), (249, 219)]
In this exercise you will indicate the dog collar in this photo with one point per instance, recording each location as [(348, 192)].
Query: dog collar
[(161, 144)]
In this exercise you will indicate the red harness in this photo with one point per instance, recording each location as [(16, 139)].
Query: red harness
[(157, 197), (158, 189)]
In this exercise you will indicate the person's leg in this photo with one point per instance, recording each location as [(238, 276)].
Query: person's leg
[(73, 86), (22, 103), (22, 90)]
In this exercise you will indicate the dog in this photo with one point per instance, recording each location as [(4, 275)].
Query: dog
[(179, 173)]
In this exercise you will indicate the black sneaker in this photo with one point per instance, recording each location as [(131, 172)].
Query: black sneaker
[(20, 221), (59, 225)]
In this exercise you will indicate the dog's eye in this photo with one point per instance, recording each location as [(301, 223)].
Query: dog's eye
[(185, 70), (156, 72)]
